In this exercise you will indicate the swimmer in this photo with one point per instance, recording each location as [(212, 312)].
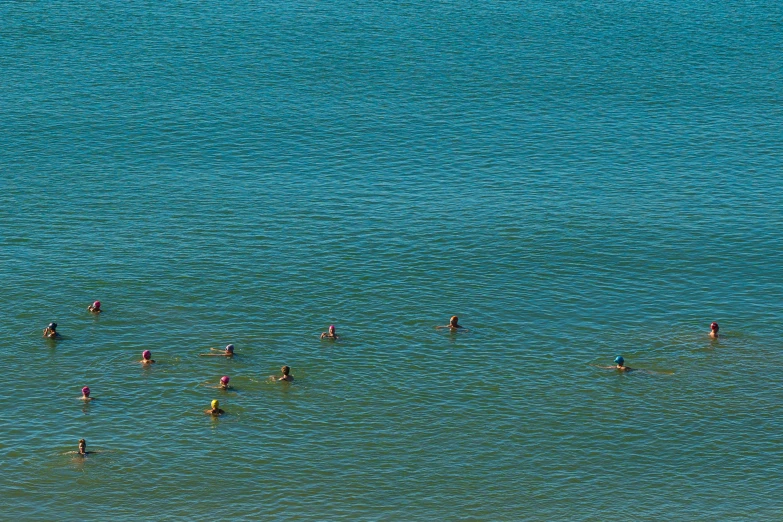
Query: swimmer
[(222, 384), (287, 377), (453, 325), (330, 334), (714, 330), (86, 394), (95, 307), (146, 357), (228, 352), (215, 410), (82, 451), (50, 332), (619, 365)]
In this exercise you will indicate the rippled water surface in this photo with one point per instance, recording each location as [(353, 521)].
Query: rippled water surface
[(575, 180)]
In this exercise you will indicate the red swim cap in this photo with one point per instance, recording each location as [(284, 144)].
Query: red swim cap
[(714, 326), (146, 354), (96, 304)]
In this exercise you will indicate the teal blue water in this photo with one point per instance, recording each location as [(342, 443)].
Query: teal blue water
[(575, 180)]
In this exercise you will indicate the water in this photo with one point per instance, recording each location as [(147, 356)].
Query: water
[(574, 180)]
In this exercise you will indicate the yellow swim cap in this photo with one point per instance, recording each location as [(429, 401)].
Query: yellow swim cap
[(215, 404)]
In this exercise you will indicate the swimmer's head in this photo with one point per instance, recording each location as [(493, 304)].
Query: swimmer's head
[(97, 305), (215, 404), (230, 348), (146, 355), (331, 328), (619, 360), (224, 379), (286, 370), (714, 327), (53, 326), (82, 445), (86, 391), (454, 320)]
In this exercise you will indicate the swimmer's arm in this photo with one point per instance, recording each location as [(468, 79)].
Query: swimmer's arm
[(211, 355)]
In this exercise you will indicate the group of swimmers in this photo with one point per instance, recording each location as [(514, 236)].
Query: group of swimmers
[(50, 332)]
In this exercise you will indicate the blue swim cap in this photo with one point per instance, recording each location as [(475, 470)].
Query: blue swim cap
[(619, 360)]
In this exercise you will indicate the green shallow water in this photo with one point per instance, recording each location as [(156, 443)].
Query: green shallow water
[(574, 181)]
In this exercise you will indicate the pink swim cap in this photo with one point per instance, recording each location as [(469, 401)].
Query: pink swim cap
[(146, 354), (224, 379), (96, 304), (331, 327), (86, 390)]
